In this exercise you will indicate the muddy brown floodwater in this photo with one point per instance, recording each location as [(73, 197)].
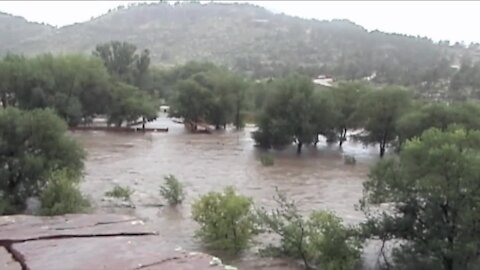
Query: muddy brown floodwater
[(317, 179)]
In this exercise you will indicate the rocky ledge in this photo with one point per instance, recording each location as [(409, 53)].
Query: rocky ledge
[(85, 241)]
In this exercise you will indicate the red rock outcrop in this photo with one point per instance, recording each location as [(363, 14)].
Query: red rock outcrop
[(84, 241)]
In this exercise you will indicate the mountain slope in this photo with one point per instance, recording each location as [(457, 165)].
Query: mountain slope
[(15, 30), (249, 39)]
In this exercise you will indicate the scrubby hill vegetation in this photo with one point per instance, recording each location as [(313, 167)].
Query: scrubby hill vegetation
[(254, 41)]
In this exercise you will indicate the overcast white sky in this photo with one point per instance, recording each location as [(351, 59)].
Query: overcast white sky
[(455, 21)]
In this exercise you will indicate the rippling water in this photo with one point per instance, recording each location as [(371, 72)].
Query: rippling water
[(317, 179)]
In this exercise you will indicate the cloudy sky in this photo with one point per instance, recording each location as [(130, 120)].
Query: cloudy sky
[(456, 20)]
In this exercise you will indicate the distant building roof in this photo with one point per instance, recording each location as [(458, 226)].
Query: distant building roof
[(323, 80)]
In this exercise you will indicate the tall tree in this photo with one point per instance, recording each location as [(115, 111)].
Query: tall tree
[(14, 76), (141, 69), (381, 110), (287, 115), (347, 96), (119, 58), (128, 105), (191, 102)]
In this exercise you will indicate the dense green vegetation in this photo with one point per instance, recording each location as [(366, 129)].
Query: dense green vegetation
[(62, 196), (33, 145), (292, 110), (77, 87), (226, 220), (432, 190), (209, 94)]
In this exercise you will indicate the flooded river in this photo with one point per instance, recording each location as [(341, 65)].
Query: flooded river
[(317, 179)]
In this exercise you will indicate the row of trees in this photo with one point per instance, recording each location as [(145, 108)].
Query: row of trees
[(293, 110), (79, 87)]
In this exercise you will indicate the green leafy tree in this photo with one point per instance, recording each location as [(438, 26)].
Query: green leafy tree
[(191, 101), (439, 115), (381, 110), (214, 96), (432, 190), (14, 71), (32, 145), (164, 81), (141, 71), (125, 63), (119, 58), (226, 220), (324, 115), (74, 85), (346, 97), (287, 115), (128, 104)]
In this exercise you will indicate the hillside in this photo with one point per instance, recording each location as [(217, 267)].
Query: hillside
[(246, 38), (14, 31)]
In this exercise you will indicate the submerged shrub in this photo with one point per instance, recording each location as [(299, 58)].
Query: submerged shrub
[(349, 160), (267, 160), (3, 205), (226, 219), (172, 191), (62, 196), (120, 192), (321, 240)]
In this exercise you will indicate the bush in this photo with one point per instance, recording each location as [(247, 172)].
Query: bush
[(62, 196), (349, 160), (119, 192), (226, 220), (267, 160), (321, 241), (172, 191)]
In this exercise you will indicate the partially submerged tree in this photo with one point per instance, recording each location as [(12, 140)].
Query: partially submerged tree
[(214, 97), (381, 110), (287, 115), (128, 104), (346, 98)]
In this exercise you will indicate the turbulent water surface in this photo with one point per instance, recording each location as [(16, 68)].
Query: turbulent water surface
[(317, 179)]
